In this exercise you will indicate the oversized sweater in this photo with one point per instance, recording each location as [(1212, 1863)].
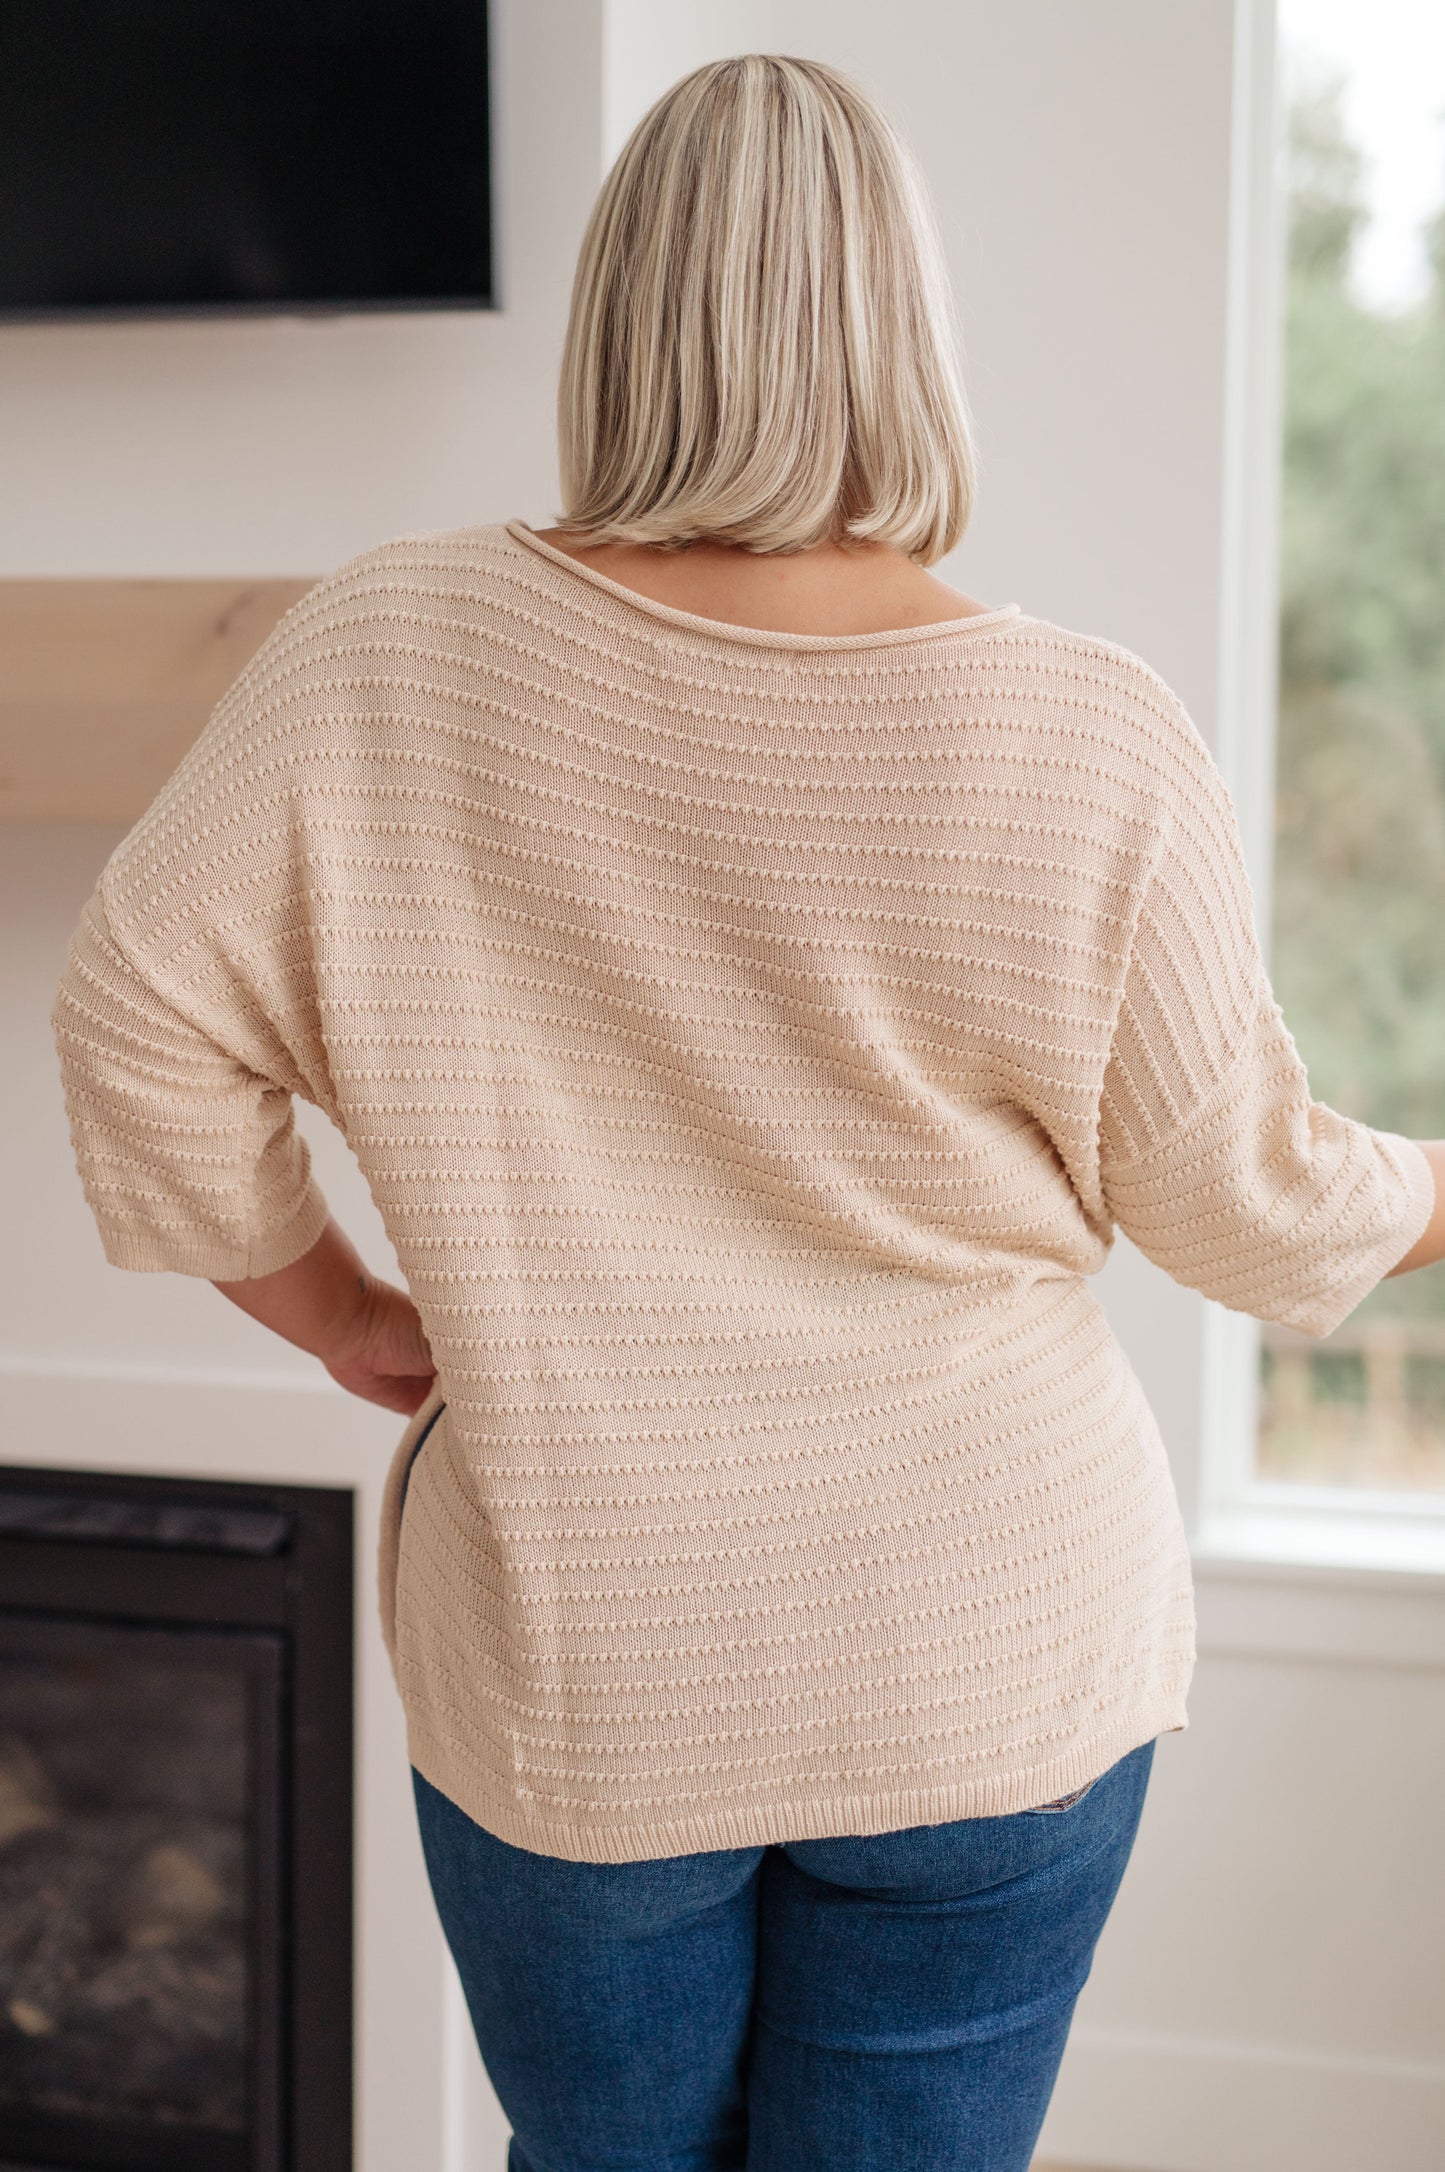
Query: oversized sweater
[(752, 1042)]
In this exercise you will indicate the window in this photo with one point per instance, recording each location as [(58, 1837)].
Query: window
[(1356, 914)]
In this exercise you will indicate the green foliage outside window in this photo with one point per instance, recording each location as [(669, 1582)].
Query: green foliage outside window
[(1358, 957)]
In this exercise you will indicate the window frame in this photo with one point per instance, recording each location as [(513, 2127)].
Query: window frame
[(1239, 1515)]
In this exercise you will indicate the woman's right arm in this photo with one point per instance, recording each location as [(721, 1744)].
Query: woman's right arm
[(1214, 1157)]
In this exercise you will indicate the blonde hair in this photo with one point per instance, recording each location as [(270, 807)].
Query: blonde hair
[(761, 347)]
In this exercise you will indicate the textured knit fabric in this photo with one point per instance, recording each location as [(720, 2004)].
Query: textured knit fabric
[(751, 1042)]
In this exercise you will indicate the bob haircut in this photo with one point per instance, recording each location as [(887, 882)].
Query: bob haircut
[(761, 348)]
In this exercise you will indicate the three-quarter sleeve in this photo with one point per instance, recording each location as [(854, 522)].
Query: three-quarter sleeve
[(188, 1153), (1214, 1158)]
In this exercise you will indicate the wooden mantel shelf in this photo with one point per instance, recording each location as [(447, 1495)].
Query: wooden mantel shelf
[(105, 684)]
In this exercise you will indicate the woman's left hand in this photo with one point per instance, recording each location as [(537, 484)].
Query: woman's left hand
[(390, 1361), (366, 1333)]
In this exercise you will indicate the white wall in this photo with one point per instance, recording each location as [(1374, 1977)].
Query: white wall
[(1268, 1992)]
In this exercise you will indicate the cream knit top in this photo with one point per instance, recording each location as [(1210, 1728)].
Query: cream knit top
[(752, 1042)]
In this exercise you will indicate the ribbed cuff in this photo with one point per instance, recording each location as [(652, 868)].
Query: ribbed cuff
[(1389, 1247), (189, 1253)]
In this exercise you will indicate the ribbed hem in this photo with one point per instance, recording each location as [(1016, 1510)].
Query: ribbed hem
[(824, 1816)]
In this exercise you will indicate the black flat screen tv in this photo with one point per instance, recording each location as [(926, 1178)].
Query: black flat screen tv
[(260, 155)]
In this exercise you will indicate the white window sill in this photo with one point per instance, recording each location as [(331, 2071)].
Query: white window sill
[(1295, 1531), (1322, 1586)]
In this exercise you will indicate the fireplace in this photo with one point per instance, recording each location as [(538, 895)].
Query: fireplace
[(175, 1825)]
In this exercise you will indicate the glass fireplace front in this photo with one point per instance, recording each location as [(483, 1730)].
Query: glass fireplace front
[(176, 1667), (140, 1801)]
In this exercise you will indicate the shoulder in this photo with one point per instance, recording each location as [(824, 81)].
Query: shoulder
[(1123, 703), (319, 694), (382, 588), (421, 560), (398, 608)]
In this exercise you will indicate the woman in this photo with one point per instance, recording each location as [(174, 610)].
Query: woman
[(756, 981)]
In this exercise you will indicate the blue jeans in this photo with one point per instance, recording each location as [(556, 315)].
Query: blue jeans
[(893, 2003)]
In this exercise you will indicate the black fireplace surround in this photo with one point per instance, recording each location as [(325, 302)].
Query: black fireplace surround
[(175, 1825)]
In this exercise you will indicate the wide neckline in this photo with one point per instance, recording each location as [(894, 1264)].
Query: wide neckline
[(753, 636)]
